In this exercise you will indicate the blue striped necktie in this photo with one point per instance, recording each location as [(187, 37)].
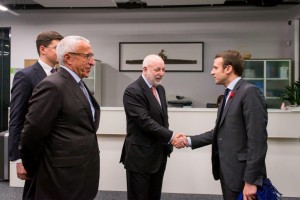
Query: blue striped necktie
[(87, 96)]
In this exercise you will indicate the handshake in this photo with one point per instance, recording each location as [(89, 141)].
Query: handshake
[(179, 141)]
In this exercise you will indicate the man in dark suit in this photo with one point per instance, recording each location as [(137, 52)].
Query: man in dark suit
[(59, 147), (147, 143), (23, 85), (239, 139)]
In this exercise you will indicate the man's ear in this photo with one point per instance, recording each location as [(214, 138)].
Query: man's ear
[(42, 50), (67, 58), (229, 69), (144, 70)]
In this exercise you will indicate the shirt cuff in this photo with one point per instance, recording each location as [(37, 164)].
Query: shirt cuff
[(171, 139), (16, 161), (189, 141)]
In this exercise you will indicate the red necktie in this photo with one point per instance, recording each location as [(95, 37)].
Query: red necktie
[(154, 91)]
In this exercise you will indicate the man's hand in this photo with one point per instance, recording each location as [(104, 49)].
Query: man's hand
[(179, 140), (21, 172), (249, 191)]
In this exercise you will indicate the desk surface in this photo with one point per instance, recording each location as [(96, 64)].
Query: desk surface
[(282, 124)]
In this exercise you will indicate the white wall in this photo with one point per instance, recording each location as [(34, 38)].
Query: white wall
[(263, 37)]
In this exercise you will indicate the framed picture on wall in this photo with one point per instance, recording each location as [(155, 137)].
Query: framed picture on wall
[(178, 56)]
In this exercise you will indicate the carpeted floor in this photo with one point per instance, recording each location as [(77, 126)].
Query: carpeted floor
[(13, 193)]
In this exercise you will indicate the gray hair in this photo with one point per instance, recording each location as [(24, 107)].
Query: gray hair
[(68, 44)]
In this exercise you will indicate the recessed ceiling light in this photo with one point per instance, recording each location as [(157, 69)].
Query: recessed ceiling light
[(3, 8)]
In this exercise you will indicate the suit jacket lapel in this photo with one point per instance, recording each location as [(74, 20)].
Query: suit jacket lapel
[(153, 100), (70, 81), (228, 104), (97, 113), (163, 101), (150, 95), (39, 71), (96, 107)]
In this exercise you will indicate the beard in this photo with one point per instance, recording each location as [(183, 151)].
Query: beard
[(155, 80)]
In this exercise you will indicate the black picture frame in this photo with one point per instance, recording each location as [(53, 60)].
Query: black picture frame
[(178, 56)]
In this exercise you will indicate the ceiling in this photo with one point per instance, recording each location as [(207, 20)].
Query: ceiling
[(139, 4)]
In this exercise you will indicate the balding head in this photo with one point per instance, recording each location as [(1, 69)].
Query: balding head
[(153, 69), (152, 60)]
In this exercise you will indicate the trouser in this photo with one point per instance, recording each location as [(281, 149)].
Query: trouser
[(228, 194), (145, 186)]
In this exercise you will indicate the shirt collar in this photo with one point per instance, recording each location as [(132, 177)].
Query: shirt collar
[(47, 68), (232, 84), (149, 84), (75, 76)]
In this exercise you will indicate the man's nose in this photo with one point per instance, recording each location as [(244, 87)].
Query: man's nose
[(92, 61)]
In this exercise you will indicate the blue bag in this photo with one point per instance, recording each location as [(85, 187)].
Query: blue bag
[(265, 192)]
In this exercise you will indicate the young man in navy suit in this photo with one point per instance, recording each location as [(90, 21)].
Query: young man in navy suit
[(239, 139), (23, 84)]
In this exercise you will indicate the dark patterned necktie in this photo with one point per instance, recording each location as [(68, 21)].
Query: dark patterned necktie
[(226, 92), (53, 70), (215, 142)]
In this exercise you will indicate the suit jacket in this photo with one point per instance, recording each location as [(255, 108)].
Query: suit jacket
[(59, 146), (23, 84), (148, 135), (241, 138)]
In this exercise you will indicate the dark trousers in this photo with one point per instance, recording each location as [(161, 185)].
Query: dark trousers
[(145, 186), (29, 190), (228, 194)]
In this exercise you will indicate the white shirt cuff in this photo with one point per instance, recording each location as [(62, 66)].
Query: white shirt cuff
[(16, 161)]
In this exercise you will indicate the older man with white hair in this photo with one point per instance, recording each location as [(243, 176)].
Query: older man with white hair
[(59, 146)]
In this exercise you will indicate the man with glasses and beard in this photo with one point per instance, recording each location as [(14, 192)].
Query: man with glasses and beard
[(147, 143)]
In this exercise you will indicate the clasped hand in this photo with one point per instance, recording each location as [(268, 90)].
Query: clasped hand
[(179, 141)]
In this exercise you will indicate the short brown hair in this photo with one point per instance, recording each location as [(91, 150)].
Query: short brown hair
[(45, 38), (233, 58)]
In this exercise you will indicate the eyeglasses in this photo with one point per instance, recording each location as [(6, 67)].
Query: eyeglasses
[(85, 55)]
